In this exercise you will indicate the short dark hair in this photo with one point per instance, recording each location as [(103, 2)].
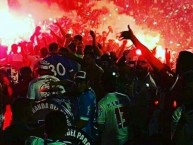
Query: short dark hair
[(109, 80), (20, 108), (25, 70), (55, 123), (184, 62), (88, 49), (53, 47), (78, 37)]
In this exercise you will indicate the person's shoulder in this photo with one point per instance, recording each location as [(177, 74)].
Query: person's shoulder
[(33, 81), (102, 101), (51, 57), (89, 92), (121, 94), (99, 68), (49, 77), (105, 100), (33, 140), (111, 94)]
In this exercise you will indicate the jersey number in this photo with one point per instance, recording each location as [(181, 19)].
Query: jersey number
[(59, 69), (121, 114)]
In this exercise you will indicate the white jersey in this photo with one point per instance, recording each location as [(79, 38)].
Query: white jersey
[(39, 88), (113, 113)]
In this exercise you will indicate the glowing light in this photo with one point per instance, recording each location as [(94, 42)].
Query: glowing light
[(150, 40), (55, 20), (70, 31), (15, 28), (147, 85), (29, 15), (138, 52), (156, 102), (174, 104), (160, 53), (171, 42), (156, 19), (113, 73), (116, 41), (154, 23)]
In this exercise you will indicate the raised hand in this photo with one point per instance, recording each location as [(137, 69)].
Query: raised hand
[(92, 34), (126, 34), (110, 29)]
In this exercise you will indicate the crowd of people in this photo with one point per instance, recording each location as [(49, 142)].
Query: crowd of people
[(66, 88)]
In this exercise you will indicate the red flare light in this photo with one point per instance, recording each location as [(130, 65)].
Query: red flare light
[(138, 52)]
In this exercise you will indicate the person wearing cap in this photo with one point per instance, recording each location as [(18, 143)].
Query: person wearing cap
[(86, 112), (40, 87)]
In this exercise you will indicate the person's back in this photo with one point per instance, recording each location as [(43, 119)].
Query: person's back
[(40, 87), (59, 65), (55, 130), (86, 108), (113, 113), (20, 129)]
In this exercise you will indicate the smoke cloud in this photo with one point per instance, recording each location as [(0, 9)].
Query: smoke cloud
[(41, 10)]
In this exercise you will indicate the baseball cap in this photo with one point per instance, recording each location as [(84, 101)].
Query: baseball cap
[(80, 75), (44, 65)]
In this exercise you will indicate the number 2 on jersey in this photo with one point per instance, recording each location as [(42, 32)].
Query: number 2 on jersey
[(121, 114)]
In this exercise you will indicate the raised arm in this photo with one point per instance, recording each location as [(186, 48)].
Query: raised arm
[(153, 61), (97, 51), (61, 30), (121, 50), (58, 38)]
